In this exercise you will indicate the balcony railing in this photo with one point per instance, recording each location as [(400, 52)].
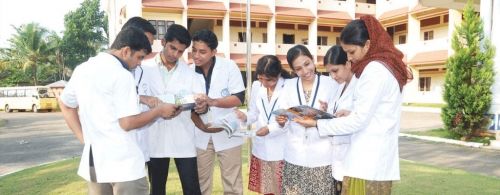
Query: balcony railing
[(430, 45), (292, 3), (257, 48), (282, 49), (365, 8), (322, 49), (333, 5)]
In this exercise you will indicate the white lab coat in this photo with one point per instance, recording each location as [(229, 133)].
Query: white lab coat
[(171, 138), (374, 125), (343, 101), (271, 146), (304, 146), (103, 91), (226, 80)]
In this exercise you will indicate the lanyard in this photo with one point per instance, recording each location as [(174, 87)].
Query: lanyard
[(265, 111), (336, 105), (140, 79), (315, 92)]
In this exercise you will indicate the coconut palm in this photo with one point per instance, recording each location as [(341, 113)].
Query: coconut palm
[(30, 48)]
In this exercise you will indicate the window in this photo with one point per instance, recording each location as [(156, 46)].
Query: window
[(288, 39), (31, 93), (242, 37), (402, 39), (305, 41), (322, 40), (20, 93), (428, 35), (424, 83), (161, 27), (264, 37), (11, 93)]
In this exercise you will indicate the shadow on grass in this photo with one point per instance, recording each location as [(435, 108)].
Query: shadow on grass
[(423, 179), (61, 178), (55, 178)]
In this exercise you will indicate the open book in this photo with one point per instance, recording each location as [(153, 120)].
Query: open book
[(232, 126), (185, 102), (303, 111)]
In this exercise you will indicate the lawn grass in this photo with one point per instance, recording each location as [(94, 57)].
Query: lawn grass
[(442, 133), (61, 178)]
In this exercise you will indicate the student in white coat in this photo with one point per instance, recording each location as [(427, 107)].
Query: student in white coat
[(308, 155), (100, 106), (266, 163), (224, 92), (336, 64), (146, 101), (166, 74), (375, 117)]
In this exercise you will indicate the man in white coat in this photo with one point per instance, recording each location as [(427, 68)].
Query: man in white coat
[(224, 91), (166, 75), (100, 106)]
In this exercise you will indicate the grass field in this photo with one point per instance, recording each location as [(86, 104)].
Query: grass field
[(61, 178)]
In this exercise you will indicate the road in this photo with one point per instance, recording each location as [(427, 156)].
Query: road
[(475, 160), (30, 139)]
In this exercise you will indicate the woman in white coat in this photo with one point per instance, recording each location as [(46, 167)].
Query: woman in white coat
[(339, 68), (266, 163), (372, 160), (308, 155)]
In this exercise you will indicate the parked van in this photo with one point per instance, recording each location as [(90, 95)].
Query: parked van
[(34, 98)]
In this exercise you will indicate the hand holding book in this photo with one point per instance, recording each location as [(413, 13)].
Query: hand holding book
[(303, 115)]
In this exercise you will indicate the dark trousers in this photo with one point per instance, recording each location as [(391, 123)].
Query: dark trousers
[(188, 174)]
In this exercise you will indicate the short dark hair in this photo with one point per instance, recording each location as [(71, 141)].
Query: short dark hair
[(208, 37), (335, 55), (270, 66), (355, 33), (179, 33), (296, 51), (140, 23), (132, 37)]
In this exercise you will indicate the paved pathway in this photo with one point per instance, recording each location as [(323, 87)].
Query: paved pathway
[(477, 160), (30, 139)]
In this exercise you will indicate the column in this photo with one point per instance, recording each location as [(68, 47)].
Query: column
[(271, 34), (226, 41), (184, 23), (454, 19), (495, 40), (312, 36)]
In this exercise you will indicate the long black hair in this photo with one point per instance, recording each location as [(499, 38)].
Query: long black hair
[(296, 51), (270, 66), (335, 55), (355, 33)]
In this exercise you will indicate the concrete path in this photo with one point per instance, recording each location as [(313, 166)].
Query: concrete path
[(476, 160), (30, 139)]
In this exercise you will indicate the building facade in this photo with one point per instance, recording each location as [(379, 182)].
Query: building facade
[(421, 30)]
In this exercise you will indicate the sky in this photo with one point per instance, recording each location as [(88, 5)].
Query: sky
[(44, 12)]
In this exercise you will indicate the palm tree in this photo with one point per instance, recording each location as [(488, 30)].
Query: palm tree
[(30, 48)]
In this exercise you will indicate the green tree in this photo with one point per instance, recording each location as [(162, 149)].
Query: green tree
[(469, 77), (29, 49), (86, 32)]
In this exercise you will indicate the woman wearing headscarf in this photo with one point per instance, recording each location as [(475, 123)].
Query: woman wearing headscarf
[(372, 160)]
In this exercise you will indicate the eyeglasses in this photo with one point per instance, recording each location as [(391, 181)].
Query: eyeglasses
[(139, 81)]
